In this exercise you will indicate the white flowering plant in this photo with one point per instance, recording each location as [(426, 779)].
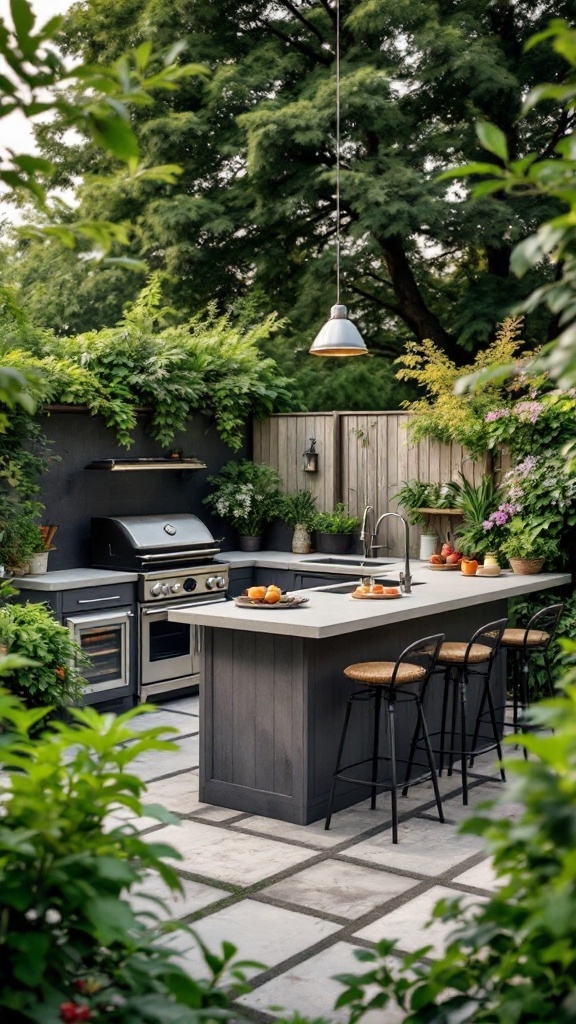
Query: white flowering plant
[(246, 495)]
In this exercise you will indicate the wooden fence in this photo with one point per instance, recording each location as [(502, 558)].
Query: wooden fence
[(363, 459)]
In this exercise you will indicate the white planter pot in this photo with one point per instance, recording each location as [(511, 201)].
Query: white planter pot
[(428, 545), (39, 563)]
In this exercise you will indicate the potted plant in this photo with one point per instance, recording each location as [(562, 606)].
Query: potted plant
[(39, 560), (19, 535), (299, 511), (334, 529), (526, 548), (246, 495)]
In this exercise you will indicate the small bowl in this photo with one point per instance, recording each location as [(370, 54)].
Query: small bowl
[(488, 570)]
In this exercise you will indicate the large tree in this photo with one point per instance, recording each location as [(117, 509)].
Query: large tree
[(256, 202)]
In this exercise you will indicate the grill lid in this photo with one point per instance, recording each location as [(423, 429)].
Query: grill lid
[(127, 541)]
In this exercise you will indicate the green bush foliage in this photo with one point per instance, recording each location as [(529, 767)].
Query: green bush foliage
[(53, 674), (71, 946), (174, 369)]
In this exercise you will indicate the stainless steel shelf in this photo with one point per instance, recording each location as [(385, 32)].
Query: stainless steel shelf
[(131, 465)]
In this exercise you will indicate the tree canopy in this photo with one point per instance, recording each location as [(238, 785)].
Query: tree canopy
[(255, 204)]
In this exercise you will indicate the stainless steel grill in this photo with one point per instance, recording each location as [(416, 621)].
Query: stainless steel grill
[(174, 557)]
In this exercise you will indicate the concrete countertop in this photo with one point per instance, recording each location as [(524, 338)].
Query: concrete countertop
[(74, 579), (327, 614), (346, 565)]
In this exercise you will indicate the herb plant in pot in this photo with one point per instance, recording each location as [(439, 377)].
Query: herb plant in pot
[(525, 547), (246, 495), (299, 512), (334, 530)]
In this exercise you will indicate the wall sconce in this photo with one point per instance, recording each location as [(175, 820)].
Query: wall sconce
[(310, 457)]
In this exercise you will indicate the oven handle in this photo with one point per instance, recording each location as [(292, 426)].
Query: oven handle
[(174, 607), (97, 600), (178, 557)]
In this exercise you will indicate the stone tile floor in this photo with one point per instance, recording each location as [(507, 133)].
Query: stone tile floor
[(298, 899)]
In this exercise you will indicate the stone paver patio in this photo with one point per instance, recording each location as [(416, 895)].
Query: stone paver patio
[(298, 899)]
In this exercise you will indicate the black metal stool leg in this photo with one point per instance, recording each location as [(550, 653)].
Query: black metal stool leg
[(494, 728), (463, 732), (515, 690), (524, 696), (551, 692), (377, 707), (477, 728), (413, 745), (338, 759), (430, 756), (455, 678), (443, 722), (393, 780)]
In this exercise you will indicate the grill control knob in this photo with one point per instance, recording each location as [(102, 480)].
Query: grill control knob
[(211, 583), (175, 588), (165, 588), (156, 590), (220, 582)]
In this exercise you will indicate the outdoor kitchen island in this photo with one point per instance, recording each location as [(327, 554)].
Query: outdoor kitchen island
[(272, 693)]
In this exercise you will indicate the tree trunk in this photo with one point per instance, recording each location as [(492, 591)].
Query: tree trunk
[(411, 305)]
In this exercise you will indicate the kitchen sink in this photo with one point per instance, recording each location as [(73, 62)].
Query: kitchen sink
[(368, 563), (348, 588)]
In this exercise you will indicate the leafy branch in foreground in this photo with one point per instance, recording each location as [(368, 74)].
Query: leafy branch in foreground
[(95, 100), (552, 175)]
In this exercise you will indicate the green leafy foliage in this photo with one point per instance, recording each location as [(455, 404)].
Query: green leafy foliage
[(70, 940), (175, 369), (298, 509), (416, 494), (246, 495), (525, 540), (255, 203), (55, 660), (337, 521), (521, 610), (513, 956)]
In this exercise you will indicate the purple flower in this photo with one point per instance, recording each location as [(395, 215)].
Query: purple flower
[(528, 411), (496, 414)]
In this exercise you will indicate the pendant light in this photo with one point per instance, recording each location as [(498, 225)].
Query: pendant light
[(339, 336)]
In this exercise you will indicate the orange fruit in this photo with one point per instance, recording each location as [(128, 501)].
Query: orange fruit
[(256, 593), (376, 588), (272, 596), (391, 590)]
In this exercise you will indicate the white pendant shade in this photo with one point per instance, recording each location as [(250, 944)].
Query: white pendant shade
[(339, 336)]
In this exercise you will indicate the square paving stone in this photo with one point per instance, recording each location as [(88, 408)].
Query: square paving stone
[(227, 856), (163, 717), (179, 794), (195, 896), (345, 890), (155, 763), (424, 847), (406, 924), (309, 988), (260, 932), (455, 810), (482, 876), (181, 705)]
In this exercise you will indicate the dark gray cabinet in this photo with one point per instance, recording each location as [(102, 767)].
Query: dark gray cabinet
[(103, 621), (306, 580)]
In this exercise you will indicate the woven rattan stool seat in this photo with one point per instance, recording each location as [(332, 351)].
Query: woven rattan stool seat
[(519, 637), (453, 652), (379, 673)]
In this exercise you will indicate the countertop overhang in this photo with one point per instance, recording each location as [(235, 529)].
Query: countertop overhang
[(328, 614)]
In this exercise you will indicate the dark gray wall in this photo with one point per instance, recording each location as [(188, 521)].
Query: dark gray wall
[(72, 494)]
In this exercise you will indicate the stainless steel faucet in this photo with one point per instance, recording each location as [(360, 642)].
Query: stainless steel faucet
[(365, 535), (405, 577)]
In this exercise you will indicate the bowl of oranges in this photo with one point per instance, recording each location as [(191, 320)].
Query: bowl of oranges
[(268, 597)]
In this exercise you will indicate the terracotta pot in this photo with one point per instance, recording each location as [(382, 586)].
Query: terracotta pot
[(526, 566), (469, 567)]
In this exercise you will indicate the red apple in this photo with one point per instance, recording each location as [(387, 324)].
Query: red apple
[(436, 560), (446, 550), (453, 558)]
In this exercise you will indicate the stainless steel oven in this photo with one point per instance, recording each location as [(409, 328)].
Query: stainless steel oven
[(169, 651), (105, 637)]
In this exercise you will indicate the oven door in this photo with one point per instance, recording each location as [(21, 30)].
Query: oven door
[(169, 651), (105, 638)]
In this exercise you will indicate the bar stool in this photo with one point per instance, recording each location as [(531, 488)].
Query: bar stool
[(397, 682), (521, 644), (463, 664)]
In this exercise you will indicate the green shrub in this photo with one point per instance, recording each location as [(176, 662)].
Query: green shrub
[(338, 521), (53, 675), (71, 947)]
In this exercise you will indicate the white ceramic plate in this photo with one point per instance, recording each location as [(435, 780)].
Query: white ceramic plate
[(284, 602)]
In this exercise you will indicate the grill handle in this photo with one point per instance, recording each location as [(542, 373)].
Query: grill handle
[(155, 608), (179, 556)]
